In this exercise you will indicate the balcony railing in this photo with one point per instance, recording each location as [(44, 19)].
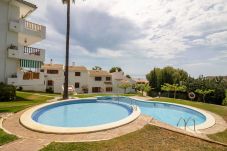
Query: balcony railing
[(30, 50), (30, 75), (32, 26)]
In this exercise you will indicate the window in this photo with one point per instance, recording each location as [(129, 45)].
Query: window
[(50, 83), (98, 78), (96, 89), (108, 78), (41, 70), (77, 74), (77, 85), (109, 89), (52, 71)]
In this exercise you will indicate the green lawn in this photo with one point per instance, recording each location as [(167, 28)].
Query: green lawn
[(94, 95), (6, 138), (218, 109), (147, 139), (24, 100)]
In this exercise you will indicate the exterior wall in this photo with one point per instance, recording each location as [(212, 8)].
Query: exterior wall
[(117, 77), (101, 84), (58, 80), (82, 80), (7, 66)]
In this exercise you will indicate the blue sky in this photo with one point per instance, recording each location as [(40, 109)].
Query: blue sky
[(138, 35)]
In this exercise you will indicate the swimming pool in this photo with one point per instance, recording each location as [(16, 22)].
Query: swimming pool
[(89, 115), (169, 113), (78, 116), (81, 113)]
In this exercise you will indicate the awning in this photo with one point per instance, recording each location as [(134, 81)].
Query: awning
[(30, 64)]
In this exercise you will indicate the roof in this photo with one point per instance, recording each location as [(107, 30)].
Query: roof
[(77, 68), (99, 73), (141, 80), (52, 66), (27, 3)]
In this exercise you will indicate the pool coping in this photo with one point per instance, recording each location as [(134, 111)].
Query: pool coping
[(210, 120), (27, 121)]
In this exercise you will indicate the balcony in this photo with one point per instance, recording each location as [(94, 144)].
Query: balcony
[(26, 78), (26, 53), (29, 33)]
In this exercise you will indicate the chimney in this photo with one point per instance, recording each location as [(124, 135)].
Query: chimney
[(51, 61)]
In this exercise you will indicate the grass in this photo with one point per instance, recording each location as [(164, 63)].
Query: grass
[(6, 138), (23, 100), (99, 94), (218, 109), (146, 139)]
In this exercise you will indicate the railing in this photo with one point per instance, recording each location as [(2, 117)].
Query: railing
[(186, 122), (191, 119), (30, 50), (182, 119), (30, 75), (32, 26)]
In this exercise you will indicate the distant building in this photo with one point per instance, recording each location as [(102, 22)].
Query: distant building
[(84, 80), (118, 79), (213, 77), (141, 81), (19, 62)]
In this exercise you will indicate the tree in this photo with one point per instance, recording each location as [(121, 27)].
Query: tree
[(115, 69), (128, 76), (157, 77), (166, 88), (96, 68), (143, 88), (65, 94), (147, 88), (204, 93), (174, 87), (125, 86)]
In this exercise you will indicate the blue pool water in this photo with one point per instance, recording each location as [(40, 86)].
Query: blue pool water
[(81, 113), (167, 113)]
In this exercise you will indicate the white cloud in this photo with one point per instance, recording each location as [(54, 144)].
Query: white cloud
[(171, 28)]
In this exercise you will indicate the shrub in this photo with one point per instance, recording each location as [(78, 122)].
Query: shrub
[(7, 92), (49, 90)]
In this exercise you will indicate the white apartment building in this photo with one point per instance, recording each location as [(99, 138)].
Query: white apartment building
[(20, 63), (118, 79), (84, 80)]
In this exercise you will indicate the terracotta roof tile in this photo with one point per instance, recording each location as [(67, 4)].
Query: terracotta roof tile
[(77, 68), (99, 73)]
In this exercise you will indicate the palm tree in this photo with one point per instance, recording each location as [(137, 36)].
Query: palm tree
[(65, 94)]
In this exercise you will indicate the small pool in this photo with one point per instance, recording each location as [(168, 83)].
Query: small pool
[(81, 113), (78, 116), (164, 112)]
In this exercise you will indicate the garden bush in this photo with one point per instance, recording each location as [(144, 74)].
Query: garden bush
[(7, 92)]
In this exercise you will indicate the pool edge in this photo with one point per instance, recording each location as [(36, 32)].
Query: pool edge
[(27, 121)]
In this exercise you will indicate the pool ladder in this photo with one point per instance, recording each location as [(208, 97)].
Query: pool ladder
[(186, 122)]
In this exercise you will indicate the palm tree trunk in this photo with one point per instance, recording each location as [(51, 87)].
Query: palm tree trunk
[(66, 95)]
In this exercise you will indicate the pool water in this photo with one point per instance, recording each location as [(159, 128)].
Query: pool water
[(82, 113), (167, 113)]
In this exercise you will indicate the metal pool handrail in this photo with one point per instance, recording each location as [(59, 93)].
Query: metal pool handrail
[(186, 122), (191, 119), (183, 121)]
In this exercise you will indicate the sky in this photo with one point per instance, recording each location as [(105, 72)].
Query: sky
[(138, 35)]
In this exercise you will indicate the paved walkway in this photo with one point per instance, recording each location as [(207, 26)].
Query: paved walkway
[(31, 140)]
